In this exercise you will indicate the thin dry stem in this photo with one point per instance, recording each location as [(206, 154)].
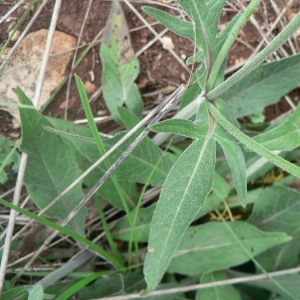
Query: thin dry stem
[(205, 285), (11, 11), (22, 36), (75, 56), (24, 157)]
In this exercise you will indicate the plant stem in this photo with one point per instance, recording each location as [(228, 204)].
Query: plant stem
[(253, 145), (229, 42), (258, 59)]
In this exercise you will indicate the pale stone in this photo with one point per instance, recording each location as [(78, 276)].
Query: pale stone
[(167, 43), (23, 68), (89, 87)]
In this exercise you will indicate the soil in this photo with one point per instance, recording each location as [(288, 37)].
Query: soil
[(159, 70)]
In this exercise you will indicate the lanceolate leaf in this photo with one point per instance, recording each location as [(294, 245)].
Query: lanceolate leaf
[(120, 67), (183, 193), (187, 186), (210, 247), (263, 86), (181, 127), (51, 167), (236, 162), (233, 154)]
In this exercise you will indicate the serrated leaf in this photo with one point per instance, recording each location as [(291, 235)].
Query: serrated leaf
[(211, 247), (278, 209), (51, 167), (263, 86), (226, 292), (183, 193), (120, 67)]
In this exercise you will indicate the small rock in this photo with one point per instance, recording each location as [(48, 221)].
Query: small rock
[(89, 87), (167, 43), (23, 68)]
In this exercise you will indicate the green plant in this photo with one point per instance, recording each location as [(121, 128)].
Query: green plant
[(192, 180), (257, 118), (120, 67)]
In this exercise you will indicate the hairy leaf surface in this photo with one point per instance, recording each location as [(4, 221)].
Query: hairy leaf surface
[(51, 167), (211, 246), (183, 193), (278, 209), (263, 86)]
